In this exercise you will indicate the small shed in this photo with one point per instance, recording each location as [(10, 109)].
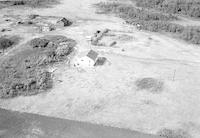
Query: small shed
[(46, 27), (87, 61), (62, 22)]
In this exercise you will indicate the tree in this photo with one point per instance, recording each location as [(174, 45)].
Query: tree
[(5, 43)]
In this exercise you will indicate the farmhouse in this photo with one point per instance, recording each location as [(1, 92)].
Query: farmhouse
[(87, 61)]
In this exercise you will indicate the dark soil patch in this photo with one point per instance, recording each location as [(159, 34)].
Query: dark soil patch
[(150, 84), (168, 133), (25, 72)]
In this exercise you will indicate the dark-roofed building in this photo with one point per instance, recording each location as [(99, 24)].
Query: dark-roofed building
[(87, 61), (93, 55)]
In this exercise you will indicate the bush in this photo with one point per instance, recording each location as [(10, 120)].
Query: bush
[(168, 133), (159, 26), (39, 43), (5, 43), (32, 85), (33, 16), (191, 34)]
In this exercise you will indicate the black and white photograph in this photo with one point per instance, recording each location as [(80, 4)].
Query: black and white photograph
[(99, 68)]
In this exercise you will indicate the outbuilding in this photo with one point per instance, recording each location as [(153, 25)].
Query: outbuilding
[(87, 61)]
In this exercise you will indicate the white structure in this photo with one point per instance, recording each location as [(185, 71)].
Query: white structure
[(87, 61)]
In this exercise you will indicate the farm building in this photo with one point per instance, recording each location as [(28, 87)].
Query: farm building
[(87, 61)]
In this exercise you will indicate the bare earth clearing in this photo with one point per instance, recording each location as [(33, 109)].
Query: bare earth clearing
[(108, 95)]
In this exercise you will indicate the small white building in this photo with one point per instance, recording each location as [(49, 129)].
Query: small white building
[(87, 61), (46, 27)]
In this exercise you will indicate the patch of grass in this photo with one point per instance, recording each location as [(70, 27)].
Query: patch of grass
[(149, 84), (26, 72), (151, 20), (168, 133), (29, 3)]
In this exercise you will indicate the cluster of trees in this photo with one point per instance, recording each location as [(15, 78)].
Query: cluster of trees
[(184, 7), (129, 12), (151, 20), (190, 33), (159, 26)]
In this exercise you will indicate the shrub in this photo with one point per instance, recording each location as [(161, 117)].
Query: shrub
[(168, 133), (5, 43), (158, 26), (191, 34), (33, 16), (31, 86), (39, 43)]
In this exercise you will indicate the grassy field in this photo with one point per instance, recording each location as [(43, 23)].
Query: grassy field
[(151, 19)]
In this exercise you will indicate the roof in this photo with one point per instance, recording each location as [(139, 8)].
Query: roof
[(92, 54), (65, 21), (62, 19)]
